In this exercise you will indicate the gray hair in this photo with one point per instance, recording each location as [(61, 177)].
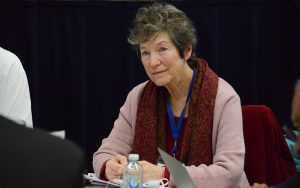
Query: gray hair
[(162, 17)]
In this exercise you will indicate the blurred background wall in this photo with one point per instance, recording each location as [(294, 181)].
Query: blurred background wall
[(80, 67)]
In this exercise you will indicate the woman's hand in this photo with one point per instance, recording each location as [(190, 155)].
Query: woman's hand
[(151, 171), (256, 185), (114, 167)]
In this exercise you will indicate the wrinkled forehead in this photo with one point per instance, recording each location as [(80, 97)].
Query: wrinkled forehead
[(158, 38)]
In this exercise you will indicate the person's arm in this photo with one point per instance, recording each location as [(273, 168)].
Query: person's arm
[(227, 169), (120, 140), (14, 92), (291, 182)]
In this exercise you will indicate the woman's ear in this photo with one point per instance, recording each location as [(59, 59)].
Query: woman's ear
[(188, 52)]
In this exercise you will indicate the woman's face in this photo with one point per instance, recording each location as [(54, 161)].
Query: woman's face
[(295, 116), (161, 59)]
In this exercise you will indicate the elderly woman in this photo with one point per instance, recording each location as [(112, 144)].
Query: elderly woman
[(185, 109)]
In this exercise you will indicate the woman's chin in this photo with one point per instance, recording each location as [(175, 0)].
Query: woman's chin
[(159, 82)]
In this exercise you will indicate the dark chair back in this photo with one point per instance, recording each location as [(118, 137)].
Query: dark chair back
[(33, 158)]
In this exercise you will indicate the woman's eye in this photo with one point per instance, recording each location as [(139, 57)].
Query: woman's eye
[(145, 53), (162, 49)]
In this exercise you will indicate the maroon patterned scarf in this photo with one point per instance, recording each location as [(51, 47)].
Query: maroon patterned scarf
[(151, 121)]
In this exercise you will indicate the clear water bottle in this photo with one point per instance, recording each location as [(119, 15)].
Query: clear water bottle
[(133, 173)]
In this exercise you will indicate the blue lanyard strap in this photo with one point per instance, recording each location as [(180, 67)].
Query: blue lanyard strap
[(176, 128)]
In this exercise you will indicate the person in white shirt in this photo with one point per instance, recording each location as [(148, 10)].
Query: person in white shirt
[(15, 100)]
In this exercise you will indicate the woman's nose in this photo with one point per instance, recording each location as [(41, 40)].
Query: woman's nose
[(154, 60)]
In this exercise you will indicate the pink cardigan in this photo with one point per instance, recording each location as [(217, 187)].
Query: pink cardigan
[(227, 170)]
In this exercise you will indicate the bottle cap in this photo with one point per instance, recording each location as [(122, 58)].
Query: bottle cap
[(133, 157)]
